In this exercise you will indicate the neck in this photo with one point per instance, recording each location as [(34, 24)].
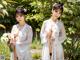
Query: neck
[(53, 19), (22, 23)]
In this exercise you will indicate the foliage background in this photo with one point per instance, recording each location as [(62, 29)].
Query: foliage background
[(37, 12)]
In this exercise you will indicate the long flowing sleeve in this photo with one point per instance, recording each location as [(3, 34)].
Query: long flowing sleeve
[(44, 31), (62, 35), (14, 29), (42, 34), (13, 33), (29, 36)]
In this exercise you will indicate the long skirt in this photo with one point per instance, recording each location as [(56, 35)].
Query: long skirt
[(23, 52), (57, 52)]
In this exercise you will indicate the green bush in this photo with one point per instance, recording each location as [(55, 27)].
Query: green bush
[(36, 55), (72, 49), (4, 49), (36, 44)]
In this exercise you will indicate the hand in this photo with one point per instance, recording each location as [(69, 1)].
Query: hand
[(12, 39), (14, 43), (50, 48)]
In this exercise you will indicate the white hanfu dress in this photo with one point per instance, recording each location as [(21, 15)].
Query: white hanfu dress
[(23, 41), (58, 36)]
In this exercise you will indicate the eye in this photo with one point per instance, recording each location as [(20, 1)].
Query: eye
[(56, 11), (16, 16), (21, 15)]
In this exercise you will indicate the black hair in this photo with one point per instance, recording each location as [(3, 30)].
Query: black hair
[(21, 10), (58, 5)]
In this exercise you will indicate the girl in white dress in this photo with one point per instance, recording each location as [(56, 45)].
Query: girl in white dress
[(21, 36), (53, 35)]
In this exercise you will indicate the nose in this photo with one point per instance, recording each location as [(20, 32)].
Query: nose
[(18, 17), (58, 13)]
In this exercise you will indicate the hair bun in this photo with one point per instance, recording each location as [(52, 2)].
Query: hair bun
[(60, 3), (21, 10), (25, 11)]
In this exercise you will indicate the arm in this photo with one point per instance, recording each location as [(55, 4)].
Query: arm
[(14, 33), (49, 40), (44, 32), (45, 35)]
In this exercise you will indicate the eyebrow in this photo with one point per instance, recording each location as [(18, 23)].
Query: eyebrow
[(59, 10)]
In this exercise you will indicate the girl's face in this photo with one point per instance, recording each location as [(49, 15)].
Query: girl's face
[(56, 13), (19, 17)]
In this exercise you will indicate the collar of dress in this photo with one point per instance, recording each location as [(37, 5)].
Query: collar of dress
[(53, 21)]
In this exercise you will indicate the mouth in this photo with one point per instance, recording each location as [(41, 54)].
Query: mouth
[(20, 20), (56, 16)]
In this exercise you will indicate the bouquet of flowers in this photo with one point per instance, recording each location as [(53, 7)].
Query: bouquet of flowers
[(5, 38), (11, 45)]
